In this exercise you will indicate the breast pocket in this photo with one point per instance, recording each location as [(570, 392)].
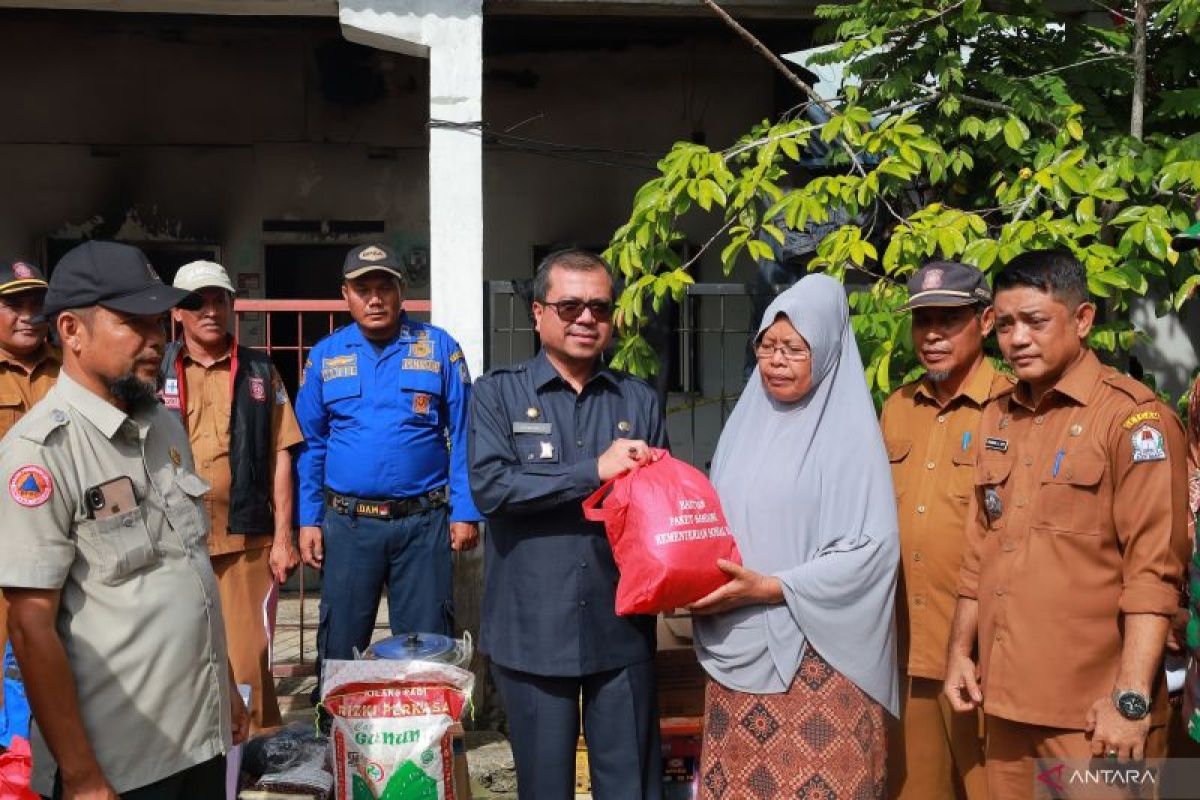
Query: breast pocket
[(962, 480), (341, 388), (534, 448), (11, 408), (1068, 501), (117, 547), (187, 512), (421, 396), (898, 451)]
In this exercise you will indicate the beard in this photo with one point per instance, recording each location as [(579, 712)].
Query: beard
[(131, 390), (937, 376)]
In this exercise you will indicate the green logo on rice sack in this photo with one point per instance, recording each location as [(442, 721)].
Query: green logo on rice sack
[(386, 738)]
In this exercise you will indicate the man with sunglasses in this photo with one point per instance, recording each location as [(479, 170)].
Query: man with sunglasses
[(545, 434), (384, 497)]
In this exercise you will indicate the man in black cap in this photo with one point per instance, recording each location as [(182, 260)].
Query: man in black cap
[(931, 430), (28, 364), (383, 500), (114, 612)]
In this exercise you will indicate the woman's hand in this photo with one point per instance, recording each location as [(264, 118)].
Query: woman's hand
[(746, 588)]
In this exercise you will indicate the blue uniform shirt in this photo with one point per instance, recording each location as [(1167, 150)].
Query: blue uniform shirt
[(550, 579), (375, 423)]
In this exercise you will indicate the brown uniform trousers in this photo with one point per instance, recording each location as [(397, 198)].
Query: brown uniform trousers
[(933, 753), (20, 388), (241, 563), (1078, 516)]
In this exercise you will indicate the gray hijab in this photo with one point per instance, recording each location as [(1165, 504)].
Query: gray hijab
[(807, 491)]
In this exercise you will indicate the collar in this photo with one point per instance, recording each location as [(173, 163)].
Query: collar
[(977, 387), (543, 372), (45, 353), (107, 418), (1077, 382), (404, 333), (187, 356)]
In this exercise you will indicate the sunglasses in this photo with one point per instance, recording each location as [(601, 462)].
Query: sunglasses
[(571, 310)]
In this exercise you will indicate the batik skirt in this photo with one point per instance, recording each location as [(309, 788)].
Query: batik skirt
[(823, 739)]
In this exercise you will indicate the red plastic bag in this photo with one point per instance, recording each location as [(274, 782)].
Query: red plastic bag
[(16, 769), (667, 530)]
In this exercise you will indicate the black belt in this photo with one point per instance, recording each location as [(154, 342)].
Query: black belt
[(385, 509)]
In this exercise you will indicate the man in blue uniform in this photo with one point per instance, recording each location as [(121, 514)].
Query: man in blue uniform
[(384, 497), (545, 434)]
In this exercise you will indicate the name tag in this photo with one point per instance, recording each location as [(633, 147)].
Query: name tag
[(999, 445), (541, 428)]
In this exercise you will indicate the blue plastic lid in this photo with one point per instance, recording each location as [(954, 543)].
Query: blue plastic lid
[(415, 646)]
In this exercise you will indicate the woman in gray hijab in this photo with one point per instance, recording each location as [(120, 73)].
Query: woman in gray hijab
[(799, 646)]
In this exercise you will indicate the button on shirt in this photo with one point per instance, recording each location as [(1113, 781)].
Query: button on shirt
[(208, 414), (550, 579), (139, 614), (21, 387), (1074, 521), (932, 449), (384, 425)]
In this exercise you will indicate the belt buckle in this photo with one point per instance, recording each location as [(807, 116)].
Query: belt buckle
[(341, 504)]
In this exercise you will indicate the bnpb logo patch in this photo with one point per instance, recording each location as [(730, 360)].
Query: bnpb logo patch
[(31, 486)]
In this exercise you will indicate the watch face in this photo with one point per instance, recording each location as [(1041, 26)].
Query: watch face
[(1132, 705)]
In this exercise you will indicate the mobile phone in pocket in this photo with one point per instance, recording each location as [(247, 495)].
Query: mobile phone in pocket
[(110, 498)]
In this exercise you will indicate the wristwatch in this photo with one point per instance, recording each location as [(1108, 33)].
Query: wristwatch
[(1131, 705)]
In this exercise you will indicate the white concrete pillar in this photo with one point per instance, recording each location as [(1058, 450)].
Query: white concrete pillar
[(450, 34)]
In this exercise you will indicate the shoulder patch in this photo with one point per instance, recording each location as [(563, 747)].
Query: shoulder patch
[(31, 485), (1138, 391), (1147, 444)]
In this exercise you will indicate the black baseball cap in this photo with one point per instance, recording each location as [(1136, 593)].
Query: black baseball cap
[(946, 284), (20, 276), (371, 258), (116, 276)]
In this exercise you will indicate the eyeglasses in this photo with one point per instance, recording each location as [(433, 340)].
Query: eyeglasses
[(765, 351), (571, 310)]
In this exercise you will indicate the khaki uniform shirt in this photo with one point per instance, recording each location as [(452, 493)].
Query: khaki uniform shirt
[(932, 449), (21, 387), (208, 415), (139, 613), (1078, 516)]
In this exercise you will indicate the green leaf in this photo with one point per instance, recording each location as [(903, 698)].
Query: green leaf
[(1015, 133)]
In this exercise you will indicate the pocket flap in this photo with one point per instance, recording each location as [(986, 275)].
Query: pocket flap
[(420, 381), (964, 458), (192, 485), (993, 471), (9, 400), (1081, 471), (897, 449)]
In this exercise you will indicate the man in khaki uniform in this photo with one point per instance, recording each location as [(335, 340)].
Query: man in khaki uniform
[(226, 393), (28, 364), (114, 613), (931, 427), (1077, 540)]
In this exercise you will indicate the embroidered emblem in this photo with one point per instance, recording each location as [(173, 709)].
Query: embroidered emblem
[(31, 486), (22, 270), (421, 403), (456, 356), (932, 279), (339, 367), (1141, 416), (1148, 445), (372, 253), (281, 398), (422, 348), (258, 389), (423, 365), (463, 372)]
